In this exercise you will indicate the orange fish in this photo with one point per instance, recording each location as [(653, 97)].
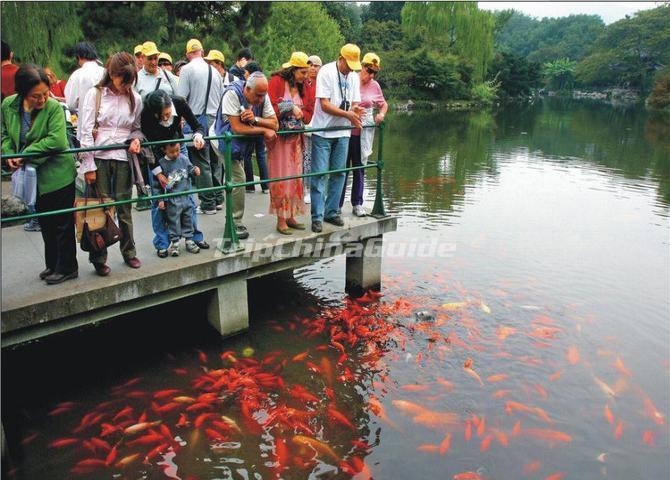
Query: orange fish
[(436, 420), (481, 427), (125, 461), (573, 355), (516, 430), (648, 437), (468, 476), (414, 388), (556, 476), (468, 431), (618, 364), (607, 390), (501, 437), (378, 409), (486, 442), (652, 411), (428, 448), (503, 332), (532, 467), (301, 356), (467, 366), (501, 393), (445, 383), (555, 376), (608, 415), (541, 391), (340, 418), (548, 435), (445, 444), (63, 442), (618, 432), (497, 378), (409, 407)]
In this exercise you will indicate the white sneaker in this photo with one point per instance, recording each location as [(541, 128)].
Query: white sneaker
[(308, 198), (173, 249), (199, 210), (359, 211), (192, 247), (219, 206)]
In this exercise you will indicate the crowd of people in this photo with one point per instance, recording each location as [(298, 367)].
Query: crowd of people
[(132, 99)]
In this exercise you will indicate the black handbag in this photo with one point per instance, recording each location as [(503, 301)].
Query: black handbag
[(97, 240)]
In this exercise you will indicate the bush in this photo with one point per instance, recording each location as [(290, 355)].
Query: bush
[(485, 92), (659, 98)]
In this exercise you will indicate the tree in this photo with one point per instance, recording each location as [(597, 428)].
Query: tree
[(458, 27), (348, 18), (40, 33), (382, 11), (516, 75), (560, 73), (316, 33)]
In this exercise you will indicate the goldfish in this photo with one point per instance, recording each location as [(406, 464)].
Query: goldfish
[(316, 445), (648, 437), (468, 431), (409, 407), (140, 427), (497, 378), (618, 364), (111, 456), (445, 383), (467, 367), (516, 430), (532, 467), (301, 356), (555, 476), (608, 414), (548, 435), (573, 355), (604, 387), (63, 442), (501, 437), (486, 442), (467, 476), (454, 305), (340, 418), (481, 427), (501, 393), (445, 444), (652, 412), (618, 431), (485, 308), (414, 388), (231, 423), (428, 448), (125, 461), (436, 420), (503, 332), (556, 375)]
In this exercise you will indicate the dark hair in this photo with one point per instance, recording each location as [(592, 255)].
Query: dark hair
[(85, 50), (288, 74), (245, 53), (120, 64), (157, 101), (252, 67), (177, 66), (6, 51), (28, 76)]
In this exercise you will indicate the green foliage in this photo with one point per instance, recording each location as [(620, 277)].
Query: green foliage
[(550, 38), (659, 98), (381, 36), (348, 18), (560, 74), (485, 92), (41, 34), (382, 11), (516, 75), (315, 33), (630, 51), (458, 27)]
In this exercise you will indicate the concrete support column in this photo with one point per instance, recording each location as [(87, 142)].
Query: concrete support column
[(364, 266), (228, 308)]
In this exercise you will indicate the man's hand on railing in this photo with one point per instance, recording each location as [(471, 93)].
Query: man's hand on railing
[(135, 146), (198, 142), (162, 179), (90, 177), (354, 119), (14, 163), (269, 134)]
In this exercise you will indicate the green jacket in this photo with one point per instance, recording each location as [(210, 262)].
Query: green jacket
[(47, 134)]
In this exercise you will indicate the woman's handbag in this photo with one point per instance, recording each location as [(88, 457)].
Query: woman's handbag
[(94, 241), (95, 220)]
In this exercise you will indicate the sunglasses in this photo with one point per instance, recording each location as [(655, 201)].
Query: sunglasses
[(371, 71)]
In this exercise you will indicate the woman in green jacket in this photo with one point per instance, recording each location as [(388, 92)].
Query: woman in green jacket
[(34, 123)]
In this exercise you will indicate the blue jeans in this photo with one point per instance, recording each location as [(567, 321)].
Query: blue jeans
[(261, 159), (327, 154), (159, 223)]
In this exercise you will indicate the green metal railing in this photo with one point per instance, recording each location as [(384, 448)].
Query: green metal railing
[(229, 242)]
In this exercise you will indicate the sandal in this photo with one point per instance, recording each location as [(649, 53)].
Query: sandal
[(284, 231), (295, 225)]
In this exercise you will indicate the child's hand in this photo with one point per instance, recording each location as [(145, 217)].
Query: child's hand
[(196, 171), (161, 205)]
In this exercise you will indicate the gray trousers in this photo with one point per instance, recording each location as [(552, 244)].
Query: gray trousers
[(179, 219)]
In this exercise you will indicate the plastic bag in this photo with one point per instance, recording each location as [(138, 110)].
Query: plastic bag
[(24, 184)]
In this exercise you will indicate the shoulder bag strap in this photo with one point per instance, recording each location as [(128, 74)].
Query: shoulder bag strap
[(98, 100), (158, 84), (209, 84)]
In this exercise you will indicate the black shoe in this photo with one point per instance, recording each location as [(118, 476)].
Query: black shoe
[(56, 278), (45, 273), (242, 232), (317, 227), (336, 220), (203, 245), (162, 253)]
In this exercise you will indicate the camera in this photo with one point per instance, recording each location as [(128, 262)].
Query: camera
[(345, 105)]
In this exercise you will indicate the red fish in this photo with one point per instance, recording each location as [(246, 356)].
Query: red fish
[(445, 444), (516, 430), (300, 357), (608, 415), (63, 442), (497, 378), (556, 375), (552, 436), (467, 367), (468, 476), (445, 383), (532, 467), (486, 442), (648, 437), (573, 355), (340, 418), (501, 393), (618, 364), (125, 461), (618, 431), (468, 431), (556, 476), (428, 448)]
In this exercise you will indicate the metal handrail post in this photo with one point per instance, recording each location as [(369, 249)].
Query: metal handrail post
[(229, 242), (378, 210)]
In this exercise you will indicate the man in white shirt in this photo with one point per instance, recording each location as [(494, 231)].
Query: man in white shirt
[(216, 59), (150, 77), (337, 98), (246, 110), (86, 76), (201, 85)]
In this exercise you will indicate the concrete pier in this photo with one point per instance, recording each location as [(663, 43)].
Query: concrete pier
[(31, 309)]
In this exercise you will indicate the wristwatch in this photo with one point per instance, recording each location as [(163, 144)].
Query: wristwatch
[(256, 120)]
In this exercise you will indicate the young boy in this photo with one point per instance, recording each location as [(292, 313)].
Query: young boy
[(178, 170)]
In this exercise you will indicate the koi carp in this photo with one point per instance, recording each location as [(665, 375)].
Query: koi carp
[(572, 355), (140, 427), (608, 415), (497, 378), (316, 445), (467, 367), (467, 476), (532, 467)]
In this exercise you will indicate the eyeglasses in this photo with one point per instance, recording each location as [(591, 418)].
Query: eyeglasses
[(371, 71), (163, 64)]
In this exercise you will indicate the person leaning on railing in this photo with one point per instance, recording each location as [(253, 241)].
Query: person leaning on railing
[(34, 123), (118, 118)]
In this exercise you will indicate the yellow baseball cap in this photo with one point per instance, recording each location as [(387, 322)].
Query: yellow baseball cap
[(138, 49), (193, 45), (298, 60), (215, 55), (149, 49), (372, 60), (164, 56), (352, 54)]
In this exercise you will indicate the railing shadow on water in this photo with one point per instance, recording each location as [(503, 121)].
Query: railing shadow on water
[(229, 242)]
